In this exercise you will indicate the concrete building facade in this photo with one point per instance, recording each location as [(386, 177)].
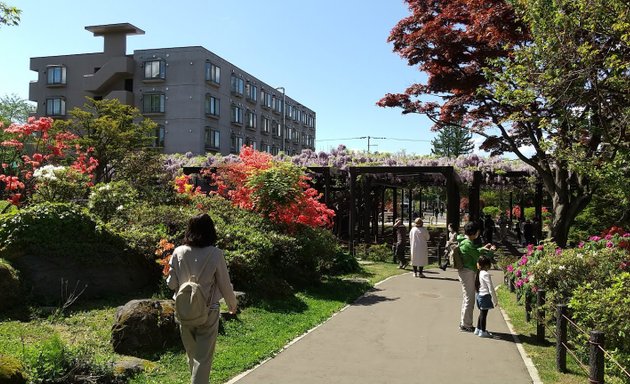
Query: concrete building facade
[(201, 102)]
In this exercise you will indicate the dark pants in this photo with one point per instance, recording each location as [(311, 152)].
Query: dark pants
[(481, 321), (399, 254)]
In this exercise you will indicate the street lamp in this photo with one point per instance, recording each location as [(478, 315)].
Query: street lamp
[(284, 123)]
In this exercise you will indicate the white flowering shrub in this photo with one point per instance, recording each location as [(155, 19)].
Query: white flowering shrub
[(59, 184), (109, 200)]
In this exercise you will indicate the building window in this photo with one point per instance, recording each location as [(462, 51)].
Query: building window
[(213, 138), (265, 125), (251, 92), (277, 104), (237, 144), (237, 114), (275, 128), (56, 106), (213, 106), (268, 101), (158, 141), (251, 120), (251, 143), (288, 110), (153, 103), (213, 73), (263, 97), (154, 69), (238, 85), (56, 75), (274, 150)]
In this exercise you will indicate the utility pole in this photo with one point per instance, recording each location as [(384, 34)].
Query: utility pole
[(368, 139)]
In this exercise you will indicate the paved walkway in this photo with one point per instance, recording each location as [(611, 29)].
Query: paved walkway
[(405, 331)]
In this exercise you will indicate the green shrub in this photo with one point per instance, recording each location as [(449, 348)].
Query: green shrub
[(108, 200), (144, 171), (492, 211), (375, 252), (606, 309), (56, 229)]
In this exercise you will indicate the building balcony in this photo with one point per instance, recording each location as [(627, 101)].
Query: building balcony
[(115, 69)]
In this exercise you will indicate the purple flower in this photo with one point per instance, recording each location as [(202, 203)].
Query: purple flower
[(510, 268), (594, 238), (558, 251), (530, 248), (519, 273), (608, 237), (519, 283), (581, 244), (610, 244), (627, 234)]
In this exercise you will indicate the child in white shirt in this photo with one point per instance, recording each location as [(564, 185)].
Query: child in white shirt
[(486, 296)]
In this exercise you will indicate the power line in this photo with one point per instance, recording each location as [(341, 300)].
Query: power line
[(372, 138)]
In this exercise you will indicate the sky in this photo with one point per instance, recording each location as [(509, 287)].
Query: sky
[(330, 55)]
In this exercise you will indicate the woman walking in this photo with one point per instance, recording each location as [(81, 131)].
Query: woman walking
[(199, 257)]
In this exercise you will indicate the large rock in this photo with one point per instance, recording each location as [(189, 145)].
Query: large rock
[(144, 327), (44, 276), (11, 371), (9, 286)]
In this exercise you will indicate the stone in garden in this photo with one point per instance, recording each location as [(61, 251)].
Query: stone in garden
[(9, 286), (11, 371), (129, 366), (145, 327)]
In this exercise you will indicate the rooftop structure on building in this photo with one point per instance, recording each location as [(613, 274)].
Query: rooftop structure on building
[(201, 102)]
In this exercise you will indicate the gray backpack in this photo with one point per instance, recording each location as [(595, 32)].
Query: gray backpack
[(191, 304), (455, 257)]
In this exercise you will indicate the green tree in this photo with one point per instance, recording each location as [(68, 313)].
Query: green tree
[(9, 15), (452, 141), (552, 76), (112, 129), (14, 109)]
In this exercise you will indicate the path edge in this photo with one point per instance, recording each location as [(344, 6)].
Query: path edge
[(298, 338), (529, 364)]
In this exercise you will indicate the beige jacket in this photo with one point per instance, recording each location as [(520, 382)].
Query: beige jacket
[(214, 280)]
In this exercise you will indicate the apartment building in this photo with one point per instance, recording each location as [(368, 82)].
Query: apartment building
[(201, 102)]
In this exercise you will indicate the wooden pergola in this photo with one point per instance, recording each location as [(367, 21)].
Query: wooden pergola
[(410, 173)]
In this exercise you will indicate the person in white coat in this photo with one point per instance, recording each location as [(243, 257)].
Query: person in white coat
[(418, 237)]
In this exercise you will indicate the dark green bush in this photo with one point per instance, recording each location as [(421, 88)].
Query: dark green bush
[(56, 229)]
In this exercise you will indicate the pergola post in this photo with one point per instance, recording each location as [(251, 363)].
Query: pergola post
[(473, 196), (452, 200), (511, 207), (367, 208), (410, 204), (395, 204), (384, 190), (326, 186), (352, 212)]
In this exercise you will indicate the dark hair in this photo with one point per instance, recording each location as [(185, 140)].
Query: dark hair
[(471, 228), (200, 232), (484, 261)]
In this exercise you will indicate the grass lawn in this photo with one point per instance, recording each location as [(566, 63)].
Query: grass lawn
[(260, 331), (543, 355)]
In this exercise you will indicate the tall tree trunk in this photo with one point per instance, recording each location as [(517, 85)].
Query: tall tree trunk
[(568, 201)]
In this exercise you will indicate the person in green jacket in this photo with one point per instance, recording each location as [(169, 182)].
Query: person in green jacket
[(470, 254)]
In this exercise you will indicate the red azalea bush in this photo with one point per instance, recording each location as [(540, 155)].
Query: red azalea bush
[(30, 146), (279, 191)]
